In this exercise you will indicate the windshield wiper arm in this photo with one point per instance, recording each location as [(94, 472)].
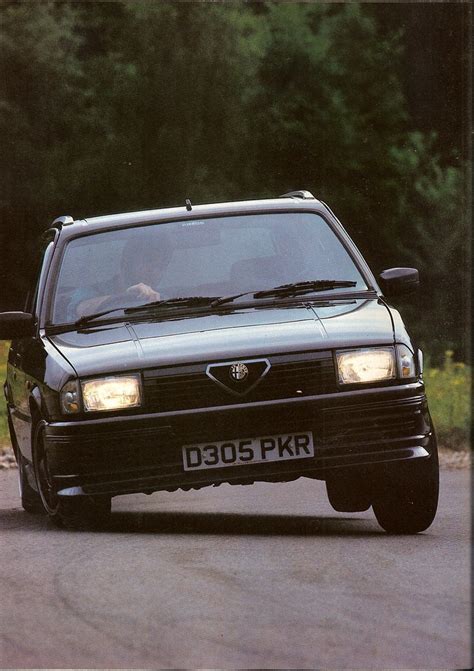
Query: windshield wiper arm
[(299, 288), (228, 299), (294, 289), (185, 301), (85, 319)]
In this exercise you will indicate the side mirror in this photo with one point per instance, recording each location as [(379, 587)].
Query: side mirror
[(399, 281), (16, 325)]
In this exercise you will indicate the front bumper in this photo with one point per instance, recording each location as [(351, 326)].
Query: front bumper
[(142, 453)]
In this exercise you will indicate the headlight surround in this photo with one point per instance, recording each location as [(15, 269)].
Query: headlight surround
[(361, 366), (375, 364), (70, 398), (406, 362), (118, 392)]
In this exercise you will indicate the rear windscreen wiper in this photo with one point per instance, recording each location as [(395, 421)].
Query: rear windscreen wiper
[(294, 289)]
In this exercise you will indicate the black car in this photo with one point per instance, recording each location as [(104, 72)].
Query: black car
[(233, 342)]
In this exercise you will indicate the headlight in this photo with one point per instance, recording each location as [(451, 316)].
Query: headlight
[(111, 393), (366, 365)]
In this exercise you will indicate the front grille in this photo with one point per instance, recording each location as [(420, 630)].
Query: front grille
[(186, 387)]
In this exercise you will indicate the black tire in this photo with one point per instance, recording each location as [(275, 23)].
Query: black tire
[(408, 502), (30, 499), (72, 512), (347, 494), (84, 512)]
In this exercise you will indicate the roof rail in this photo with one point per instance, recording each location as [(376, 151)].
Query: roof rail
[(304, 195), (59, 222)]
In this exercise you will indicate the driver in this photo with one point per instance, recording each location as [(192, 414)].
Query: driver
[(142, 265)]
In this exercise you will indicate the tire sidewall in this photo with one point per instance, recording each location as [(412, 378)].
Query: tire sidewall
[(50, 503), (410, 500)]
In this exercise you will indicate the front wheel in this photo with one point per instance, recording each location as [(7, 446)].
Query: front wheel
[(72, 512), (348, 493), (408, 499), (84, 512), (30, 499)]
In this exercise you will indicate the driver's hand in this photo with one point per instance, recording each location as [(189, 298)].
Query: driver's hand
[(144, 292)]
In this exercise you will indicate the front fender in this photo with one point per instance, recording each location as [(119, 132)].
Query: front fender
[(37, 405)]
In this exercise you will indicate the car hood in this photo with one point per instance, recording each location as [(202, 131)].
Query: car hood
[(236, 333)]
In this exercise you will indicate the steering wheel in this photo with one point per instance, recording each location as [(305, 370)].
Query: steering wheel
[(122, 300)]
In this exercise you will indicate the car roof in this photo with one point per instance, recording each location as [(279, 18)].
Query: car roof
[(71, 227)]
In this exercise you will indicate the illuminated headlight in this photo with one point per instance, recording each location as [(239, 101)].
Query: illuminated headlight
[(366, 365), (111, 393)]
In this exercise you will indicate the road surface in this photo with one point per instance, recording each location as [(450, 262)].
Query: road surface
[(236, 577)]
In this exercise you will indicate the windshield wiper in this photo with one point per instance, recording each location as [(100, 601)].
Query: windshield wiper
[(184, 300), (293, 289), (85, 319), (298, 288)]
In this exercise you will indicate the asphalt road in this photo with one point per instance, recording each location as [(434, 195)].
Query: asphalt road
[(266, 576)]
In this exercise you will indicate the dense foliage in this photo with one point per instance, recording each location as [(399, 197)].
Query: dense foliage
[(110, 106)]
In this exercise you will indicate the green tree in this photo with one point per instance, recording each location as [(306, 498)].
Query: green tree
[(110, 106), (173, 93), (433, 208), (330, 115), (40, 94)]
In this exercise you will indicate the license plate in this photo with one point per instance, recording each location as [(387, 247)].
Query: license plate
[(248, 451)]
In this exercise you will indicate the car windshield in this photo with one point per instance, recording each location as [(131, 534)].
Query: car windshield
[(212, 257)]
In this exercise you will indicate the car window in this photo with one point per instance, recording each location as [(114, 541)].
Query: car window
[(40, 266), (210, 257), (234, 244)]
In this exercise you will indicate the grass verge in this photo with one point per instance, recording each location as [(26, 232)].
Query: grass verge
[(449, 395)]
